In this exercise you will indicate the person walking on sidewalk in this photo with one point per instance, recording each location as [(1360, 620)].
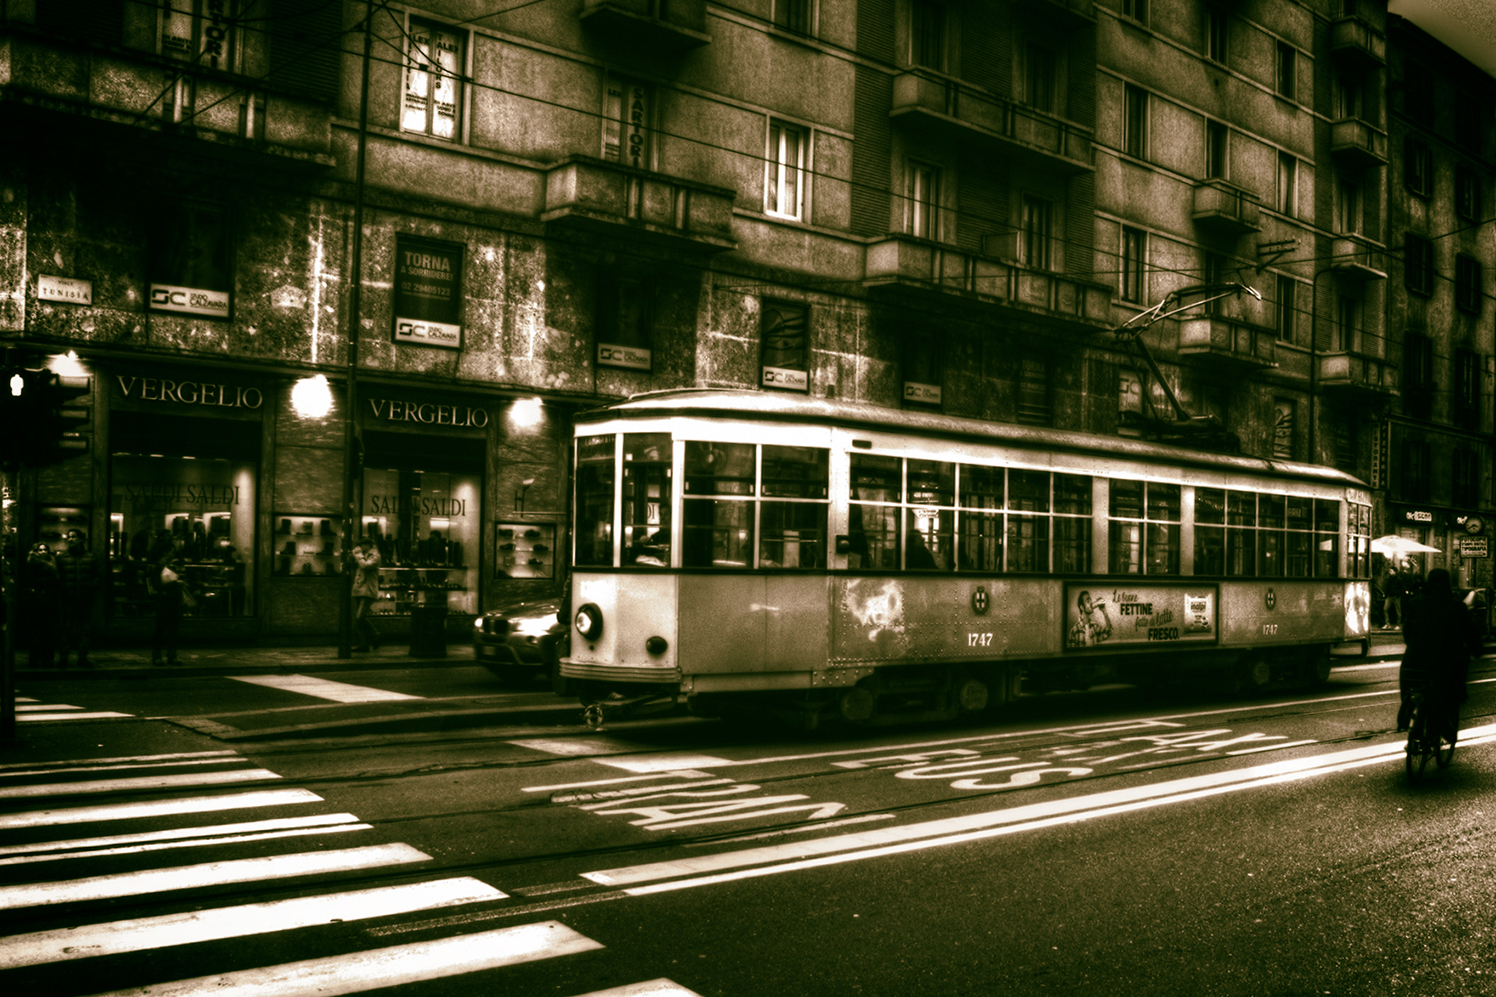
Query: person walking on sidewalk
[(1393, 587), (365, 563), (41, 594), (1441, 638), (80, 582), (169, 601)]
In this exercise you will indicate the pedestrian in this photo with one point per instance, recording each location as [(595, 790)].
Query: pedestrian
[(79, 572), (1393, 587), (365, 563), (41, 595), (1441, 638), (169, 595)]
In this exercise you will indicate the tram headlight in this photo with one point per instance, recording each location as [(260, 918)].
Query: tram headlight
[(589, 622)]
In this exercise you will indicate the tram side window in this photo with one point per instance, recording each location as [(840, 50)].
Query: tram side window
[(1028, 521), (1144, 528), (717, 511), (1072, 523), (1163, 528), (930, 520), (1359, 551), (646, 500), (1270, 512), (1210, 531), (1300, 539), (594, 484), (1326, 538), (1125, 542), (873, 528), (983, 496), (793, 530), (1241, 534)]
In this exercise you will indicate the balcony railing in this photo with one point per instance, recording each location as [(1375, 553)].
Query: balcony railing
[(1355, 43), (1359, 374), (1226, 208), (619, 201), (948, 108), (923, 271), (1227, 342), (1358, 143), (1356, 256), (648, 26)]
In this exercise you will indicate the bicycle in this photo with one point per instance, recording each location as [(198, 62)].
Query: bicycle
[(1428, 737)]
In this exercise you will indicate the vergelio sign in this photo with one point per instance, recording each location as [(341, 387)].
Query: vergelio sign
[(428, 292)]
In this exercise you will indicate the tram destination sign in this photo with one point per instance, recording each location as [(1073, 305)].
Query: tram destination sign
[(1107, 614)]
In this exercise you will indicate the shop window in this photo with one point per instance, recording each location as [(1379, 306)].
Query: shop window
[(626, 123), (191, 259), (433, 88), (525, 550), (785, 333), (306, 546), (624, 323), (425, 525)]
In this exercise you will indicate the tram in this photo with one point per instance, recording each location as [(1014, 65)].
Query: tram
[(822, 559)]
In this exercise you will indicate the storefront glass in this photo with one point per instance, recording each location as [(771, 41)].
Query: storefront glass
[(426, 525)]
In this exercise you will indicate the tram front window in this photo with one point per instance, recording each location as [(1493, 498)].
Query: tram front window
[(646, 500), (718, 505), (594, 528)]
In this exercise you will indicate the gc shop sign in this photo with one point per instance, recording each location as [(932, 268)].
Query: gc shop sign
[(428, 292)]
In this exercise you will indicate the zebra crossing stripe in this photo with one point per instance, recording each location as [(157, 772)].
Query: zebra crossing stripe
[(220, 754), (182, 837), (159, 808), (338, 692), (139, 782), (650, 988), (122, 764), (118, 937), (38, 707), (186, 877), (39, 717), (388, 967)]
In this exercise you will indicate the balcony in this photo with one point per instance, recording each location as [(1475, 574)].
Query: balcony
[(1356, 375), (1356, 44), (1357, 257), (1227, 343), (1226, 209), (923, 273), (1075, 12), (941, 107), (649, 27), (617, 201), (1357, 143)]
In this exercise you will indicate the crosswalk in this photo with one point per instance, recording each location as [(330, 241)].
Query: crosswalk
[(35, 711), (68, 812)]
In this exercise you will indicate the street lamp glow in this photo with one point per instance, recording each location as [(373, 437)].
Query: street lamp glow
[(526, 412), (312, 397)]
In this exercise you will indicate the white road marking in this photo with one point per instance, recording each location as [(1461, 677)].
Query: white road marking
[(127, 884), (928, 834), (651, 988), (139, 782), (37, 707), (387, 967), (174, 834), (39, 717), (338, 692), (671, 761), (228, 834), (116, 937), (620, 754), (115, 764), (568, 746), (687, 774), (159, 808)]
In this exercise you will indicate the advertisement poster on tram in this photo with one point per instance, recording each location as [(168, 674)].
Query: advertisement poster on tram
[(1108, 615)]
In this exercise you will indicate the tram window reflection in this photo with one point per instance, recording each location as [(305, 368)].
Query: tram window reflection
[(1072, 523), (983, 492), (646, 500), (793, 534), (1270, 513), (1326, 537), (1210, 531), (1125, 533), (1300, 540), (718, 533), (928, 540), (719, 468), (873, 530), (594, 484), (1241, 534)]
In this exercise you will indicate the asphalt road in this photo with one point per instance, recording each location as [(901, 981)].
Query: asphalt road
[(1104, 842)]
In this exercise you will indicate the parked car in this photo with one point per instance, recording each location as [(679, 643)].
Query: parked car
[(523, 641)]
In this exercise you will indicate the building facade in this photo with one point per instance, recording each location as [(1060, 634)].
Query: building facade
[(941, 206)]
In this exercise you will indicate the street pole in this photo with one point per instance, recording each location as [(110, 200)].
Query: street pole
[(351, 518), (11, 608)]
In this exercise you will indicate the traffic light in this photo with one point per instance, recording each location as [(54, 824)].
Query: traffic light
[(44, 417)]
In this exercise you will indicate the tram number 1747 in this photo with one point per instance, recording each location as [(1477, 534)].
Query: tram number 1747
[(978, 640)]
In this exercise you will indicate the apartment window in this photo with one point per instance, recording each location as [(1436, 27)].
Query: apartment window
[(924, 200), (1418, 168), (1465, 487), (1467, 377), (1217, 150), (1345, 441), (1418, 92), (1467, 289), (784, 329), (1135, 9), (1035, 400), (1038, 228), (1288, 182), (1416, 480), (1418, 264), (1347, 313), (624, 320), (1039, 79), (1287, 291), (1470, 122), (1287, 67), (1418, 374), (626, 110), (1134, 246), (1214, 273), (198, 31), (793, 15), (1283, 428), (1348, 96), (433, 61), (1348, 207), (785, 164), (1135, 121), (1467, 194), (1216, 22), (928, 35)]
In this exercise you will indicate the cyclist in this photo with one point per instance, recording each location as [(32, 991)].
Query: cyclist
[(1441, 638)]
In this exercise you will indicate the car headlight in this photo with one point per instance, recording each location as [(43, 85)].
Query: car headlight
[(537, 627), (478, 624)]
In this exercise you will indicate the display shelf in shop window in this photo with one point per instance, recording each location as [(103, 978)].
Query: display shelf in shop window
[(525, 550), (306, 546)]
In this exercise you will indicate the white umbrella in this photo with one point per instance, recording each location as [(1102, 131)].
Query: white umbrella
[(1400, 545)]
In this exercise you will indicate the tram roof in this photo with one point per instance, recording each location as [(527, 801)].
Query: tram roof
[(742, 404)]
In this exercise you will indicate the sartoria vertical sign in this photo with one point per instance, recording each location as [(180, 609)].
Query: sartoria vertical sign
[(428, 292)]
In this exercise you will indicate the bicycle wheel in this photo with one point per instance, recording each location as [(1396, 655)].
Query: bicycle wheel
[(1444, 753), (1418, 751)]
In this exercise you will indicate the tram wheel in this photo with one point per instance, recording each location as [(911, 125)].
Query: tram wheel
[(857, 703), (972, 695), (1255, 675), (1317, 668)]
